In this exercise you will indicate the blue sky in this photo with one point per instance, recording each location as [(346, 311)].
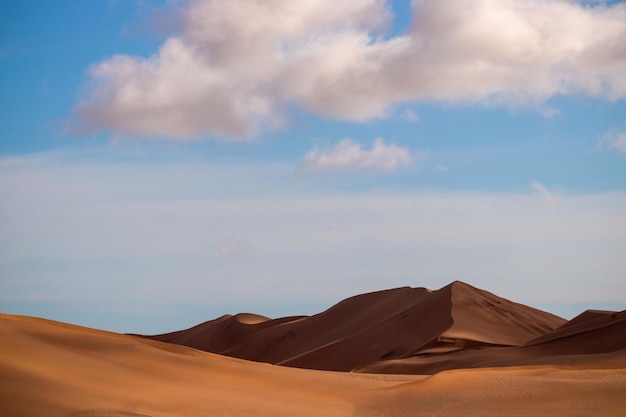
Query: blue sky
[(163, 163)]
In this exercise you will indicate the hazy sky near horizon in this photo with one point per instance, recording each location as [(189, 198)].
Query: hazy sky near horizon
[(163, 163)]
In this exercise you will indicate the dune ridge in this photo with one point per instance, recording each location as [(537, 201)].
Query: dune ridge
[(375, 327)]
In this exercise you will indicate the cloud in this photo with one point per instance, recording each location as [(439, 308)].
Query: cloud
[(231, 248), (232, 68), (410, 115), (348, 155), (544, 193), (235, 67), (615, 141)]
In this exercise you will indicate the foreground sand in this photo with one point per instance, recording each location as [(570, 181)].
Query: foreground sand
[(54, 369)]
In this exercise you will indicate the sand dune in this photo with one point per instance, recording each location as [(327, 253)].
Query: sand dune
[(592, 338), (589, 332), (385, 325), (494, 357), (54, 369)]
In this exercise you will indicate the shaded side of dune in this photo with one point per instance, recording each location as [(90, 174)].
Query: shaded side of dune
[(595, 339), (379, 326)]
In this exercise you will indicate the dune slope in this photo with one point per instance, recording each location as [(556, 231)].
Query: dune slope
[(592, 338), (368, 328)]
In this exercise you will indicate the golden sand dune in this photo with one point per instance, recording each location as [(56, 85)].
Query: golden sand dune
[(384, 325), (592, 338), (590, 332), (54, 369)]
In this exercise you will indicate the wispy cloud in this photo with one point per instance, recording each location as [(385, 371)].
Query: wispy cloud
[(543, 192), (231, 248), (410, 116), (616, 141), (235, 66), (348, 155)]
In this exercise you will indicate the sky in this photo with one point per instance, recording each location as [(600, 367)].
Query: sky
[(163, 163)]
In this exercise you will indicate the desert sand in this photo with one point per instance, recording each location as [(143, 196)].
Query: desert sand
[(55, 369), (457, 351)]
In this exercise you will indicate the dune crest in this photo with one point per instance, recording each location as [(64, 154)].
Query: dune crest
[(369, 328)]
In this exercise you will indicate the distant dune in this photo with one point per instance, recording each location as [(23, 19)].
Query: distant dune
[(403, 329), (593, 338), (55, 369)]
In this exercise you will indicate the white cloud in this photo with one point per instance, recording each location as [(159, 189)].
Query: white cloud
[(236, 65), (615, 141), (410, 116), (544, 193), (348, 155)]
